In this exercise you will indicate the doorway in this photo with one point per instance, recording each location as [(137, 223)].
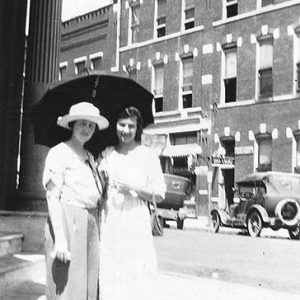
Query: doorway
[(228, 175)]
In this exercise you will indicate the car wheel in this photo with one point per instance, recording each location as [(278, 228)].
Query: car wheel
[(215, 221), (295, 233), (180, 223), (254, 224)]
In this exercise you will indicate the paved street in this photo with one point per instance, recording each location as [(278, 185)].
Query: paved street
[(261, 262)]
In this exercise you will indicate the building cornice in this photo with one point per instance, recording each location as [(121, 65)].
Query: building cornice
[(83, 42), (88, 16), (84, 30)]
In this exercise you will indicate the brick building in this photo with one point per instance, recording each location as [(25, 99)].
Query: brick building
[(225, 75), (85, 40)]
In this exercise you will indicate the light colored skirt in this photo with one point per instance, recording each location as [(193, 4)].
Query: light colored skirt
[(79, 278), (127, 254)]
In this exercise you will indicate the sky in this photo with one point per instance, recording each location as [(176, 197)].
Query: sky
[(74, 8)]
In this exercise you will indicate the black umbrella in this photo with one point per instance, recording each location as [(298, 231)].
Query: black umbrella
[(111, 94)]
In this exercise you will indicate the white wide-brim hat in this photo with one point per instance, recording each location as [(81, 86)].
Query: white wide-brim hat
[(83, 111)]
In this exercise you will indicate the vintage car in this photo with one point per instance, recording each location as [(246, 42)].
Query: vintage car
[(172, 207), (266, 199)]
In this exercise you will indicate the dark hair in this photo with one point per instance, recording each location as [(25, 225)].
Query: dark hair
[(130, 112), (71, 125)]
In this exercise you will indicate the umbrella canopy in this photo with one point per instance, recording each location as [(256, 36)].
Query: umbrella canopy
[(111, 94)]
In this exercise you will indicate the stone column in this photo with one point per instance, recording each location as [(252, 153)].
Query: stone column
[(42, 63), (12, 48)]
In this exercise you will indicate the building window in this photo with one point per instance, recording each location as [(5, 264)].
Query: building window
[(230, 55), (266, 2), (189, 14), (161, 18), (80, 65), (183, 138), (231, 8), (297, 59), (297, 158), (158, 87), (96, 63), (297, 167), (62, 72), (132, 72), (134, 21), (265, 70), (187, 81), (266, 82), (264, 142), (298, 77), (229, 145)]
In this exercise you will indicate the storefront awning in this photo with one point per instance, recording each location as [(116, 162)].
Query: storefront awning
[(181, 150)]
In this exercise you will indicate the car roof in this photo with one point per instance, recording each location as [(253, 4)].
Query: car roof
[(260, 176)]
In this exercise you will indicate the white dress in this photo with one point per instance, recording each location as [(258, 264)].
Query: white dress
[(127, 254)]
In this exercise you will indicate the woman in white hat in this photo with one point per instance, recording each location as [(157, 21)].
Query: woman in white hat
[(73, 192)]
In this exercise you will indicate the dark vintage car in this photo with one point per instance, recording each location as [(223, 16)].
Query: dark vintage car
[(267, 199), (172, 207)]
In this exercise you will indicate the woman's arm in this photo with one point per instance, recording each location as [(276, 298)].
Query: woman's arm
[(137, 191), (60, 245), (148, 196)]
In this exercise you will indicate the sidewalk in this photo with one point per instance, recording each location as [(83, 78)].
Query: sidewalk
[(173, 286)]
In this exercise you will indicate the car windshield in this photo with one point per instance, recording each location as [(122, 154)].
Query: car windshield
[(252, 187), (245, 188)]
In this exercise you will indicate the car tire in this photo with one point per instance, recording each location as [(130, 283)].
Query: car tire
[(180, 223), (254, 224), (216, 223), (294, 233)]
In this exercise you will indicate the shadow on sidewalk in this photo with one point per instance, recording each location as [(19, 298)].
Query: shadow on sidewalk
[(27, 290)]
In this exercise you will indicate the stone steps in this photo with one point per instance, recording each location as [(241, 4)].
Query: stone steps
[(22, 263), (17, 269), (10, 243)]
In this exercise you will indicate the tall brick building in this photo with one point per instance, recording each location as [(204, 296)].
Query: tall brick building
[(225, 75)]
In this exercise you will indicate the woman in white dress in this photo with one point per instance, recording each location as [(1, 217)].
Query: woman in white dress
[(127, 255), (71, 233)]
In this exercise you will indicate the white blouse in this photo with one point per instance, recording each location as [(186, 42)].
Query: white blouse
[(73, 175), (140, 168)]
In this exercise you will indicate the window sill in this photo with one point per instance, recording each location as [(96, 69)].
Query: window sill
[(258, 11), (260, 100), (265, 98), (236, 103), (264, 168), (161, 39)]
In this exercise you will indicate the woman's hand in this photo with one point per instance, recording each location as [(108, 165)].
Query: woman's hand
[(137, 191), (126, 188), (61, 251)]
